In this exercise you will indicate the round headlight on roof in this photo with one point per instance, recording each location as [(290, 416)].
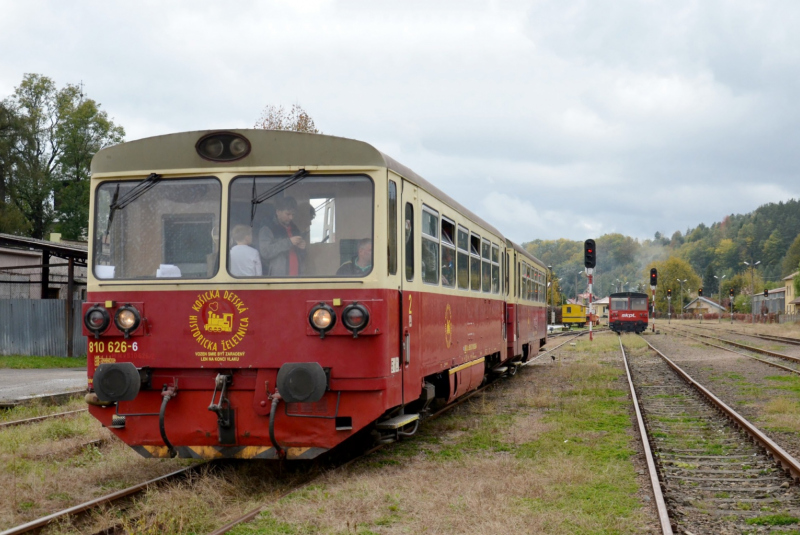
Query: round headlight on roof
[(223, 146), (127, 319), (96, 320)]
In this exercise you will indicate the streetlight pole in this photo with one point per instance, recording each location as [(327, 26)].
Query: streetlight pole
[(753, 288), (576, 286), (720, 294), (680, 295)]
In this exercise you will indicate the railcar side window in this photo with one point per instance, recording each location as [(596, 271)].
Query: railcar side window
[(430, 246), (320, 226), (409, 237), (448, 253), (392, 230), (486, 254), (506, 268), (475, 262), (168, 230), (495, 269), (463, 258), (638, 303)]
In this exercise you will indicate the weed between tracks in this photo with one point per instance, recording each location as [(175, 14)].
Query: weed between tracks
[(548, 451)]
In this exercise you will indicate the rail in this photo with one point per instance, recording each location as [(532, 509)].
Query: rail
[(786, 461), (661, 504), (40, 418)]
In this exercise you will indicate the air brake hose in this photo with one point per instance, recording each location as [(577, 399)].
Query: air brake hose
[(276, 398), (166, 394)]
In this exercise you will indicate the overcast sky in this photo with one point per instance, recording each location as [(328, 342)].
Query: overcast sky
[(549, 119)]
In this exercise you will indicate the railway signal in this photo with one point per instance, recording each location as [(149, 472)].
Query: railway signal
[(669, 293), (589, 261), (766, 292), (589, 254), (731, 292), (653, 282), (700, 292)]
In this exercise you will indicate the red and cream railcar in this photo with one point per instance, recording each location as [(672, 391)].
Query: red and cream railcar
[(197, 351), (526, 311)]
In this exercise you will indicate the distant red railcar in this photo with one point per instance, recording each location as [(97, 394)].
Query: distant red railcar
[(627, 312), (197, 351)]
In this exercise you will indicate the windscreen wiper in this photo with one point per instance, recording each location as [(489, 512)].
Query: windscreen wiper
[(274, 190), (140, 189)]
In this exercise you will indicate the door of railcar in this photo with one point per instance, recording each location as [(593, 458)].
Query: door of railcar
[(411, 308)]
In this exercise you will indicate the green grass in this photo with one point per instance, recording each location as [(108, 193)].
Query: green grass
[(780, 519), (19, 362), (579, 462)]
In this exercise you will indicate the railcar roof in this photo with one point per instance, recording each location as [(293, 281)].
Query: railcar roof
[(271, 148), (628, 294), (521, 250)]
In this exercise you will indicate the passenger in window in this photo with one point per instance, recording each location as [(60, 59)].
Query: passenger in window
[(359, 264), (283, 249), (448, 267), (245, 260)]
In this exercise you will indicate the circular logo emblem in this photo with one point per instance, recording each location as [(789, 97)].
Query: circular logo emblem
[(218, 321)]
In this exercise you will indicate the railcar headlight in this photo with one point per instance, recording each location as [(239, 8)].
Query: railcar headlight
[(223, 146), (127, 319), (212, 147), (96, 320), (238, 146), (355, 317), (322, 319)]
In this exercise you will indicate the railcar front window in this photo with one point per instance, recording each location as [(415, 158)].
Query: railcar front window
[(638, 303), (169, 231), (319, 226), (619, 303)]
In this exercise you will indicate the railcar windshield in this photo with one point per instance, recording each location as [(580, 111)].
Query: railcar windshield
[(619, 303), (168, 229), (638, 303), (320, 226)]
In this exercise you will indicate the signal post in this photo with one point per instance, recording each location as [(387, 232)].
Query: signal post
[(589, 261), (653, 282)]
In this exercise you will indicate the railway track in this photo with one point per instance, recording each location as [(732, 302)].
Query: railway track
[(719, 474), (770, 337), (91, 505), (773, 355), (40, 418)]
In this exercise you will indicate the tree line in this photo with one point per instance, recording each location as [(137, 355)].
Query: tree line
[(744, 253)]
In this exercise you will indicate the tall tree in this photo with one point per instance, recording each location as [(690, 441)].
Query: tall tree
[(792, 258), (277, 118), (11, 220), (57, 133)]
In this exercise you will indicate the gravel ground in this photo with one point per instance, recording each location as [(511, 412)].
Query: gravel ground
[(741, 383)]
